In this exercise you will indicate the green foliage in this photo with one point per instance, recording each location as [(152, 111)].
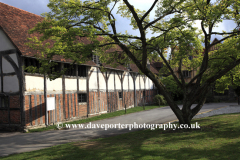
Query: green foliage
[(172, 85), (76, 29), (159, 99)]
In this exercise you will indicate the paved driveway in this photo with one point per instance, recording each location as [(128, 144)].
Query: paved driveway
[(11, 143)]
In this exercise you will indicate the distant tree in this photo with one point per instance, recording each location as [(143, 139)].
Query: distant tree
[(159, 99), (231, 79)]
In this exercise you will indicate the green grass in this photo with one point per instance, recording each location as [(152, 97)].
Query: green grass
[(102, 116), (218, 139)]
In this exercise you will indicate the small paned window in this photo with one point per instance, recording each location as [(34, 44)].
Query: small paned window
[(82, 71), (4, 102), (56, 68), (186, 74), (82, 97), (120, 95), (190, 57), (128, 66), (71, 69), (31, 62), (95, 59)]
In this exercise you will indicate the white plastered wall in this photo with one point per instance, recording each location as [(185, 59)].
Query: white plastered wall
[(151, 84), (125, 81), (102, 83), (93, 79), (131, 83), (147, 83), (5, 43), (82, 84), (111, 82), (55, 85), (142, 82), (118, 82), (71, 84), (34, 83), (10, 82), (137, 83), (6, 66)]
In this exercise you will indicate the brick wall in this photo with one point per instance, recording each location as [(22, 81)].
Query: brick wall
[(97, 103), (148, 99), (35, 106), (13, 114), (35, 109)]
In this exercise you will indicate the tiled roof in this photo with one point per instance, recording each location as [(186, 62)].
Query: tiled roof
[(134, 68), (16, 23)]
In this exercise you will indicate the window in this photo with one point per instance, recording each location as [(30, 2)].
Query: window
[(3, 101), (56, 67), (120, 95), (71, 69), (82, 71), (190, 57), (82, 97), (128, 66), (31, 62), (186, 74), (35, 63), (95, 59)]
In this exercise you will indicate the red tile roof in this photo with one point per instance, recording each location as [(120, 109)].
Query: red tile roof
[(16, 23), (134, 68)]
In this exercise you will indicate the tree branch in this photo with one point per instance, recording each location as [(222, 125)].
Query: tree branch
[(150, 9), (170, 68), (142, 33)]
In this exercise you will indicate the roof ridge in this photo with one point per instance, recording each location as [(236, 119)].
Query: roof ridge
[(20, 9)]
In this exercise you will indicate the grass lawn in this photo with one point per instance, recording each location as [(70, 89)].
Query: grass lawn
[(218, 139), (102, 116)]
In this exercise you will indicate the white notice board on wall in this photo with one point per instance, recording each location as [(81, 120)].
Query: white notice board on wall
[(50, 103)]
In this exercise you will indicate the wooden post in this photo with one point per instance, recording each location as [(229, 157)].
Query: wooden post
[(75, 99), (22, 90), (123, 102), (45, 99), (115, 98), (98, 100), (134, 88), (63, 92), (87, 69), (140, 87), (107, 91)]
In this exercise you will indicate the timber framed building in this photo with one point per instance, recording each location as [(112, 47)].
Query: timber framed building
[(82, 92)]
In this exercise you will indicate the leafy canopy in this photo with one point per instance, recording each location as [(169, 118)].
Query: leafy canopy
[(76, 29)]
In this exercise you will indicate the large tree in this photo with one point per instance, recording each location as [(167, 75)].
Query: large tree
[(172, 29)]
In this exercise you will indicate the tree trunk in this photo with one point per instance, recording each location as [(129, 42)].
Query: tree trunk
[(237, 91), (187, 113)]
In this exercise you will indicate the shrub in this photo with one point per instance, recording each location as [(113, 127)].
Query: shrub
[(160, 100)]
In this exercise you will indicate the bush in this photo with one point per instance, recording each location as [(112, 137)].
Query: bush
[(160, 100)]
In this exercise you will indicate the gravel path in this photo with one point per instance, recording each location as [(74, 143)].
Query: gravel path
[(226, 110)]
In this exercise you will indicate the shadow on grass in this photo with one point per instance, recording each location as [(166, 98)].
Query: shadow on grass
[(218, 139)]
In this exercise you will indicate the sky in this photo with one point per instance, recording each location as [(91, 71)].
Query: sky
[(40, 6)]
